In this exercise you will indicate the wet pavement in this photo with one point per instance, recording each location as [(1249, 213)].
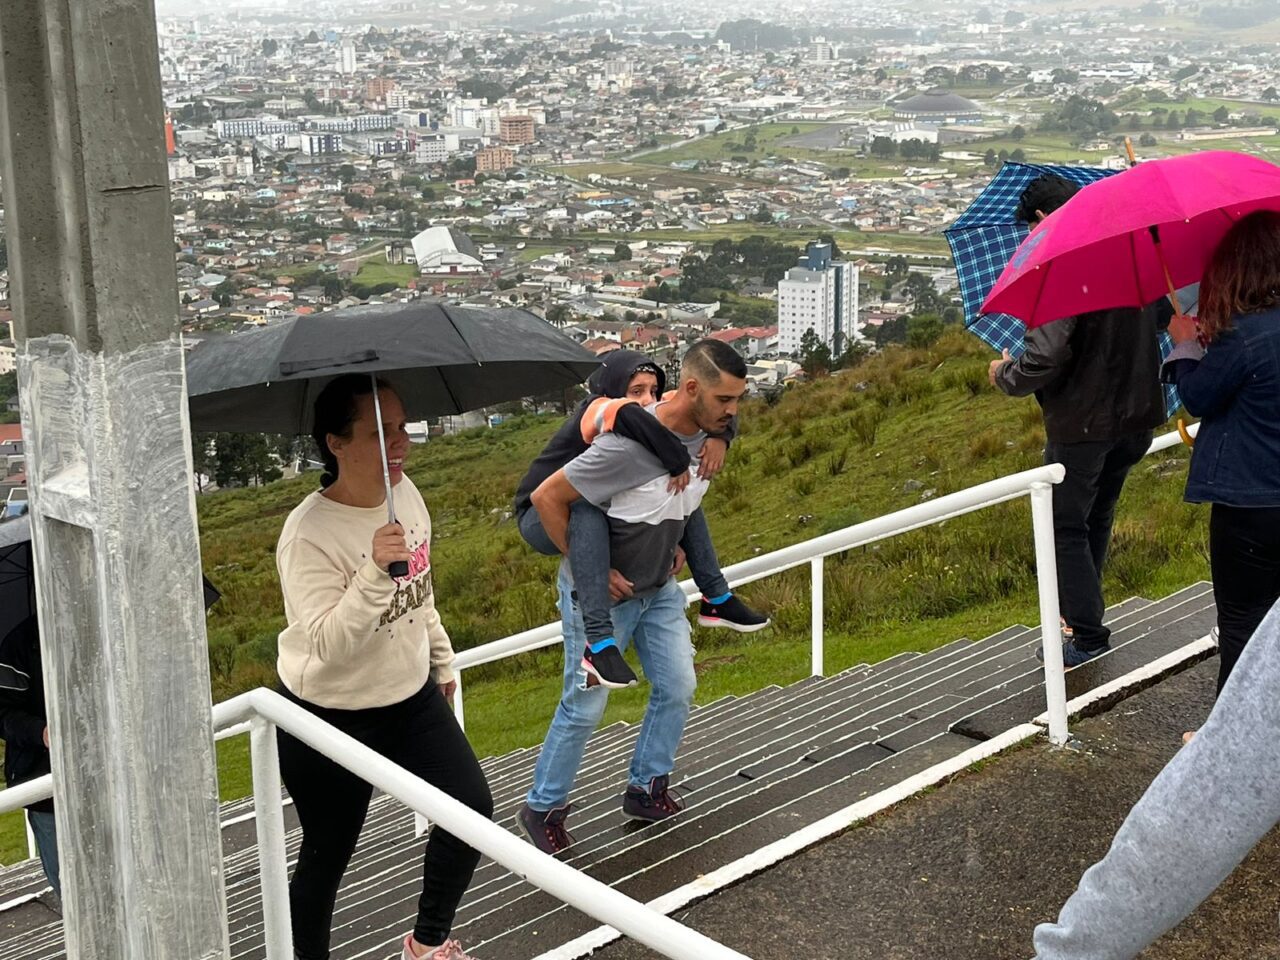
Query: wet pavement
[(965, 871)]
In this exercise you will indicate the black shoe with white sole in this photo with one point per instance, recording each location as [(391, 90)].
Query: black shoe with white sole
[(732, 614), (608, 668)]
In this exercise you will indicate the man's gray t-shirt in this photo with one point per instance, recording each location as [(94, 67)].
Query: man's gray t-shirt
[(646, 521)]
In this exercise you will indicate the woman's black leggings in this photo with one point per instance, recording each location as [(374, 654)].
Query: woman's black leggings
[(421, 735), (1244, 557)]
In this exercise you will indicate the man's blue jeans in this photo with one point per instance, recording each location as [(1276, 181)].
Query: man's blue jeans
[(660, 631), (589, 559), (46, 834)]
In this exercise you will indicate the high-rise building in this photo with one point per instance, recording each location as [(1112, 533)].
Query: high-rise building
[(313, 144), (376, 88), (820, 294), (517, 129), (398, 99), (822, 51), (347, 57), (495, 160)]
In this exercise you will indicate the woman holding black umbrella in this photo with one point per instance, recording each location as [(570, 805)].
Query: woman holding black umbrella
[(365, 651)]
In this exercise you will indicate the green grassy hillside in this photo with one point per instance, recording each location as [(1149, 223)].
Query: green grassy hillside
[(828, 454)]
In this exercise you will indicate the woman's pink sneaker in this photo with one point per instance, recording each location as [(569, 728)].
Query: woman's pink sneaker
[(449, 950)]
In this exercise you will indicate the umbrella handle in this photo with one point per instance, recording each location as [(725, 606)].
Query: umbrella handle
[(1187, 438), (397, 568), (1168, 277)]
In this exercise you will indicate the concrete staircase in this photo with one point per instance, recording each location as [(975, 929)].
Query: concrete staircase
[(753, 769)]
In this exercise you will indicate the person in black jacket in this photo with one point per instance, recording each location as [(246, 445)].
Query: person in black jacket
[(1097, 379), (25, 729), (626, 375)]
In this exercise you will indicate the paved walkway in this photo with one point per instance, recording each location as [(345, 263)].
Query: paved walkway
[(966, 871)]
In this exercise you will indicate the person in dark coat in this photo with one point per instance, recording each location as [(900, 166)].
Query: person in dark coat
[(25, 729), (1097, 379), (1228, 374)]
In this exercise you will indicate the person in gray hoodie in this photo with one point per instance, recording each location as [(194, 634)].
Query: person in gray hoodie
[(1226, 782)]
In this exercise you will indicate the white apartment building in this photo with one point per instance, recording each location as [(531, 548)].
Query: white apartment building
[(819, 294), (347, 58)]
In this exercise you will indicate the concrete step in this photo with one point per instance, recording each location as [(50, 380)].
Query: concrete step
[(1160, 629)]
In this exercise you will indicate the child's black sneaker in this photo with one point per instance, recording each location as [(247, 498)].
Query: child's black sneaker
[(732, 614), (608, 668)]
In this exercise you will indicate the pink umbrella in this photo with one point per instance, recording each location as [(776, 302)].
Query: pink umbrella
[(1127, 240)]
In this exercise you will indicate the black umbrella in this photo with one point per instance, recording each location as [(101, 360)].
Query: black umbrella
[(440, 359), (18, 581)]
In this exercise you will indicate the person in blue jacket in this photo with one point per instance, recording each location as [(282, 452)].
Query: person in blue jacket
[(1228, 375)]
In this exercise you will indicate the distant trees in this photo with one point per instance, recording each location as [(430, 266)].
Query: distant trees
[(815, 356), (1018, 132), (557, 315), (238, 459), (332, 286), (751, 34), (883, 147), (1082, 117), (480, 87), (923, 329), (923, 293), (621, 252), (224, 293)]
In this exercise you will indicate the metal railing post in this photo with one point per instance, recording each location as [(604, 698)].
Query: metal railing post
[(32, 850), (269, 818), (457, 699), (815, 615), (1050, 633)]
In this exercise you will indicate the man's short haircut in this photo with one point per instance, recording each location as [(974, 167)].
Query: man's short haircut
[(1045, 193), (708, 359)]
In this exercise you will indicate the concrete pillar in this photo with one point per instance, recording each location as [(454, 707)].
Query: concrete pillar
[(100, 370)]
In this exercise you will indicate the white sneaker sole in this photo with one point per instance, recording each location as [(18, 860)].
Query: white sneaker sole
[(730, 625), (601, 681)]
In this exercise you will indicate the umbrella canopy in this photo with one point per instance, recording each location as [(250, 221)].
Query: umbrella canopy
[(18, 581), (1127, 240), (440, 359), (985, 237)]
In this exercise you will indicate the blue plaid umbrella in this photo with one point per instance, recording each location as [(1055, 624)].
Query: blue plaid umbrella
[(984, 239)]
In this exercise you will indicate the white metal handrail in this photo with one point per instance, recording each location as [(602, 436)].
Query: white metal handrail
[(1036, 483), (262, 711), (41, 788), (266, 710), (814, 552)]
